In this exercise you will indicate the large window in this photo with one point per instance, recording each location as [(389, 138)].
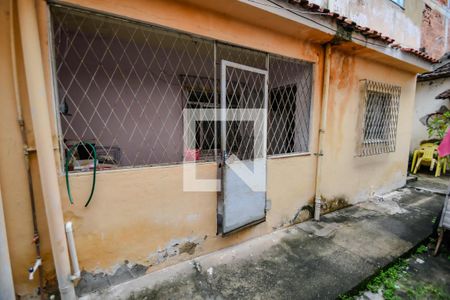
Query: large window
[(379, 128), (122, 86)]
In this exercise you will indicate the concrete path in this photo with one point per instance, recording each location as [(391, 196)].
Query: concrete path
[(307, 261), (430, 183)]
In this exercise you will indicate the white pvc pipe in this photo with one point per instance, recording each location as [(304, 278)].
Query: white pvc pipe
[(34, 73), (6, 278), (72, 251), (37, 264), (322, 128)]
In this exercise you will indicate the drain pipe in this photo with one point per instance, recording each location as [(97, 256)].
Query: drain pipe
[(34, 71), (6, 278), (36, 240), (73, 252), (323, 125)]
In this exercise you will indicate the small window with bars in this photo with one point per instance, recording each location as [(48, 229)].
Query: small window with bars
[(380, 118)]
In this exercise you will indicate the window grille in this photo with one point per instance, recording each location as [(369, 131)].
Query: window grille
[(122, 87), (381, 108), (290, 87)]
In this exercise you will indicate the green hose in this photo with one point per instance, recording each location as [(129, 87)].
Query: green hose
[(69, 155)]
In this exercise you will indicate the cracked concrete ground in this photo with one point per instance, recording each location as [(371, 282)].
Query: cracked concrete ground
[(308, 261)]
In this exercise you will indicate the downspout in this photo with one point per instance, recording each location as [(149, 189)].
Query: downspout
[(37, 95), (323, 126), (6, 278), (21, 122)]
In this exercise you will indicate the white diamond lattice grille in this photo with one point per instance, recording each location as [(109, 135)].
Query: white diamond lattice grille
[(122, 87)]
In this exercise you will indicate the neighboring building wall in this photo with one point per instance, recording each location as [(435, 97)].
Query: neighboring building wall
[(349, 178), (426, 103), (435, 35), (402, 24), (419, 24), (142, 215)]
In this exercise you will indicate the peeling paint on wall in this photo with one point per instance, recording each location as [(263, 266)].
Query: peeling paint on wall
[(90, 282), (305, 213), (102, 279), (174, 248)]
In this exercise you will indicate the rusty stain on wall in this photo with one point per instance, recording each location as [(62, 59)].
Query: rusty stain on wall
[(330, 205)]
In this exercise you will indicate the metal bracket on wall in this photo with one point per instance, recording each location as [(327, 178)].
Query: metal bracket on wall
[(32, 149)]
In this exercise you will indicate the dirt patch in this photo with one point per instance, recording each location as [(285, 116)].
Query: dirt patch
[(330, 205), (304, 214), (188, 247)]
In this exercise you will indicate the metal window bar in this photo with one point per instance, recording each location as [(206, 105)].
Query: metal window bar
[(290, 93), (122, 86), (381, 108)]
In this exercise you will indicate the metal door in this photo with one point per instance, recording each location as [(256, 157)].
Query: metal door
[(243, 142)]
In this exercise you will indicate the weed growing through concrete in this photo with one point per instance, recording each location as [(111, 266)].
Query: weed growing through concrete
[(400, 282), (386, 280), (426, 291), (421, 249)]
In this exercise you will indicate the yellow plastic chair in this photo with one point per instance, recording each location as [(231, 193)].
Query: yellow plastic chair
[(419, 152), (428, 144), (427, 157), (441, 165)]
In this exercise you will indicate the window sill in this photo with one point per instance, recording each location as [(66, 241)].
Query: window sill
[(375, 142), (278, 156), (137, 168)]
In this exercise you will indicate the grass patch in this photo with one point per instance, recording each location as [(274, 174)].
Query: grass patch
[(421, 249), (426, 291), (386, 281)]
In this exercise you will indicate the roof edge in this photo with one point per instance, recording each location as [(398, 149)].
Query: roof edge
[(328, 22)]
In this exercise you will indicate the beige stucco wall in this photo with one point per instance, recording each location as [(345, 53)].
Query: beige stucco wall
[(356, 178), (138, 214), (135, 214), (144, 211), (426, 104), (12, 164)]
